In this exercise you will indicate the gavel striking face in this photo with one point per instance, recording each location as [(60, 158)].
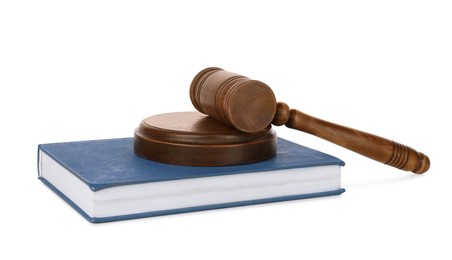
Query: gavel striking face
[(250, 106)]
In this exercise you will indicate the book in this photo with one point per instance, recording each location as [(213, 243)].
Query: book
[(104, 180)]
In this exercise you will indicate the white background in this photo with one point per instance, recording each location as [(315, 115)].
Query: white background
[(78, 70)]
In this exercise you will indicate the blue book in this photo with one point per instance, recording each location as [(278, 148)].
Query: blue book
[(105, 181)]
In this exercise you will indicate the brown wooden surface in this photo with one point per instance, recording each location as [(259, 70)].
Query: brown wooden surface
[(369, 145), (250, 105), (192, 138)]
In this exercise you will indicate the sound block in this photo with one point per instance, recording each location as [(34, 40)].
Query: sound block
[(192, 138)]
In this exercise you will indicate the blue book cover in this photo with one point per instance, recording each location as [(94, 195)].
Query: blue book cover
[(105, 181)]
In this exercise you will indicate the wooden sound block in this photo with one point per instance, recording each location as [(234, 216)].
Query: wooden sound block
[(192, 138)]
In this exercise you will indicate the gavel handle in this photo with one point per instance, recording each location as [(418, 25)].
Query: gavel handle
[(369, 145)]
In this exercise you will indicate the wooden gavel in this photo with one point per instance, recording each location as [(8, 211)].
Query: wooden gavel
[(250, 106)]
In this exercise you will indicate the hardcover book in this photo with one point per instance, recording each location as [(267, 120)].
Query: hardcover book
[(104, 180)]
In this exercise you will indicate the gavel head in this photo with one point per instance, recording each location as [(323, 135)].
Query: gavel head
[(246, 104)]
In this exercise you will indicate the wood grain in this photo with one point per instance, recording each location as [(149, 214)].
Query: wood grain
[(192, 138), (369, 145), (250, 106)]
